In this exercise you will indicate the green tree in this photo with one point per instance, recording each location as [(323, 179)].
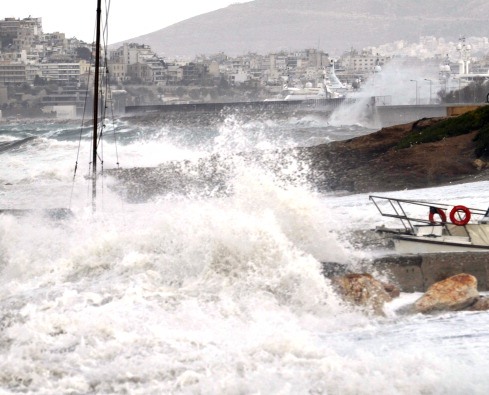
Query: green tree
[(39, 81), (83, 53)]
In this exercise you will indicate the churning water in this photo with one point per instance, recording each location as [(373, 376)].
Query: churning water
[(203, 294)]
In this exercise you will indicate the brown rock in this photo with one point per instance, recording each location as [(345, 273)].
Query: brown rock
[(454, 293), (481, 304), (392, 290), (373, 163), (479, 164), (363, 290)]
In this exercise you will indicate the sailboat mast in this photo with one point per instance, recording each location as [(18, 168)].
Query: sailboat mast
[(95, 105)]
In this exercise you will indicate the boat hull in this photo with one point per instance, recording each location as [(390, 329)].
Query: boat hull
[(406, 244)]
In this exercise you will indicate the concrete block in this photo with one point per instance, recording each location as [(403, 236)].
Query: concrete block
[(402, 270), (437, 267), (477, 263)]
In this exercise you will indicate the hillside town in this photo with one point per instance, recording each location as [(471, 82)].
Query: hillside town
[(47, 74)]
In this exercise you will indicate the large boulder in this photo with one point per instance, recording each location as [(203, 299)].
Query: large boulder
[(454, 293), (364, 290)]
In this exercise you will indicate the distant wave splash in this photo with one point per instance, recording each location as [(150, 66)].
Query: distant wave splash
[(7, 146)]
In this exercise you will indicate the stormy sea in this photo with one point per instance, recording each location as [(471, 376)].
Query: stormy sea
[(214, 289)]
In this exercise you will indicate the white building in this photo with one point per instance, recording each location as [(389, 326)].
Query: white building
[(131, 53), (61, 72), (364, 62)]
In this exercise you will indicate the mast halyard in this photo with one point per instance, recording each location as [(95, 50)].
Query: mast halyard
[(96, 105)]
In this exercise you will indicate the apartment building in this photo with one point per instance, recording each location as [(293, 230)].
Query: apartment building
[(136, 61), (174, 73), (140, 71), (19, 34), (131, 53), (193, 73), (60, 72), (158, 73), (13, 73), (363, 62), (118, 71)]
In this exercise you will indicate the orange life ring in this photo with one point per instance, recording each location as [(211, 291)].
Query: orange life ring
[(463, 221), (440, 212)]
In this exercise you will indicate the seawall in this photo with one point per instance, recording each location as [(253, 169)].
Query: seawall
[(380, 113), (397, 115), (315, 105)]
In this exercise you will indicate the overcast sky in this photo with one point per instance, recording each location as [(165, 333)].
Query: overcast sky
[(127, 19)]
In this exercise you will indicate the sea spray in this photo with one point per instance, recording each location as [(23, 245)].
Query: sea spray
[(167, 291), (398, 83), (204, 294)]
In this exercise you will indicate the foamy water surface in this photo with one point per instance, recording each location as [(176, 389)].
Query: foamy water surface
[(191, 294)]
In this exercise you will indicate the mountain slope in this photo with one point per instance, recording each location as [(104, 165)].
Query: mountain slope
[(332, 25)]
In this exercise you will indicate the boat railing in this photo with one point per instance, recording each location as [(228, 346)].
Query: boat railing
[(410, 212)]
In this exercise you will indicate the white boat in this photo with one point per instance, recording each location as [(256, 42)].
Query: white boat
[(433, 227), (329, 87), (307, 93), (333, 84)]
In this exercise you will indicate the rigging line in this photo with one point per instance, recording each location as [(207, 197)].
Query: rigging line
[(108, 89), (98, 144), (110, 109), (88, 185), (113, 131), (104, 89), (106, 26), (82, 126), (96, 107)]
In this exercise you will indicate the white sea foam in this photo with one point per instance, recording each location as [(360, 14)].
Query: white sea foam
[(206, 295)]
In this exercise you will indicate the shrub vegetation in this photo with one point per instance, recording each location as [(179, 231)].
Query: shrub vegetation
[(463, 124)]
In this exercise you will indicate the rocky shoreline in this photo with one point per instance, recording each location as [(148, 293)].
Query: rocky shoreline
[(455, 293), (449, 281), (373, 163), (418, 272), (369, 163)]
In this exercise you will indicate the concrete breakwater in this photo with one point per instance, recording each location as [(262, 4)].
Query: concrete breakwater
[(277, 105), (417, 272), (376, 108)]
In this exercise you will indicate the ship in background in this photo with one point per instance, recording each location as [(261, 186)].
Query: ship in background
[(326, 86), (450, 81)]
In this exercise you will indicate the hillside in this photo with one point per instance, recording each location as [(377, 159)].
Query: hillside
[(332, 25)]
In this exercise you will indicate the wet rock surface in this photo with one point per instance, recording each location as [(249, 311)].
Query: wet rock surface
[(362, 289), (454, 293)]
